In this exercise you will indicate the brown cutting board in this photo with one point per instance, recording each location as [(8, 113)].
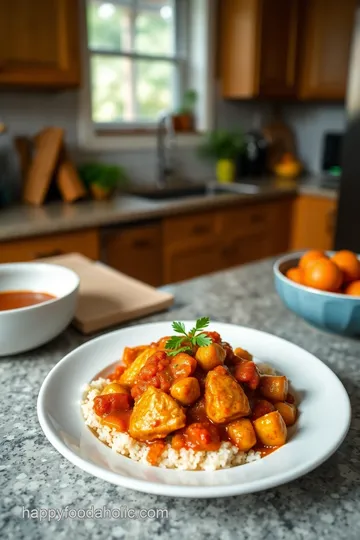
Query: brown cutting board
[(68, 180), (108, 297)]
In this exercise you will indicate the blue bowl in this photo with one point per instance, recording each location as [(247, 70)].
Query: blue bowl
[(334, 312)]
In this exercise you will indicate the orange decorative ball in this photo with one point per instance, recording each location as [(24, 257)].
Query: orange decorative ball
[(353, 288), (309, 257), (296, 274), (348, 264), (323, 274)]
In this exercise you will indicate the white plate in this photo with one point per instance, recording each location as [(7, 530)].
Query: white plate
[(322, 425)]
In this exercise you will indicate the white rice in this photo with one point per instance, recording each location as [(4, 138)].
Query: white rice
[(227, 456)]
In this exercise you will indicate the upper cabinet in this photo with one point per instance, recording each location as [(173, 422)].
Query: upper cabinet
[(285, 48), (39, 43), (325, 48), (258, 48)]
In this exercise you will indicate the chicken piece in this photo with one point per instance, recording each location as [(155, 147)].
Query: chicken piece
[(210, 356), (242, 434), (274, 387), (155, 415), (271, 429), (186, 391), (225, 400), (288, 412), (130, 374)]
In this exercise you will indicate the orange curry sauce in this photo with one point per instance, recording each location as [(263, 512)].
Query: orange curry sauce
[(20, 299), (160, 371)]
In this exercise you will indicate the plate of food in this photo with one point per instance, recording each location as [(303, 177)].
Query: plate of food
[(193, 409)]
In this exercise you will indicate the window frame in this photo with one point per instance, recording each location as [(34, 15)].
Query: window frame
[(178, 60), (199, 43)]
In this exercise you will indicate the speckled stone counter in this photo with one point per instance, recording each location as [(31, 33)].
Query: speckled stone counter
[(323, 504)]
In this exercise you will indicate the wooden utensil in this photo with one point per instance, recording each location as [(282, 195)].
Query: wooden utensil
[(68, 181)]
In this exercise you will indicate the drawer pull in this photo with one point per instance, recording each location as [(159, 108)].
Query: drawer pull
[(141, 243), (54, 253), (257, 218), (200, 229)]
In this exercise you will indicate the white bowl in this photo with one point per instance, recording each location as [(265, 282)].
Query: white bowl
[(29, 327), (323, 422)]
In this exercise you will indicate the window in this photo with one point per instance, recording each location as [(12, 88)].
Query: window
[(137, 61)]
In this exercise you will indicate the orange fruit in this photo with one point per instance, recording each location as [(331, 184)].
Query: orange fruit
[(309, 257), (323, 274), (296, 274), (348, 264), (353, 288)]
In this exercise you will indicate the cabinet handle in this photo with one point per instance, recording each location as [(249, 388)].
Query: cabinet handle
[(256, 218), (54, 253), (142, 243), (200, 229)]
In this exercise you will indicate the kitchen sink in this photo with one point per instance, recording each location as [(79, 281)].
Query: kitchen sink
[(181, 192)]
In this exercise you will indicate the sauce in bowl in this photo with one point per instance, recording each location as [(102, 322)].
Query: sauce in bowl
[(20, 299)]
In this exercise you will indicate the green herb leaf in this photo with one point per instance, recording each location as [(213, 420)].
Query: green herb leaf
[(202, 340), (202, 323), (177, 351), (179, 327), (174, 342)]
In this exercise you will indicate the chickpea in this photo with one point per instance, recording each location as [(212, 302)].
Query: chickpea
[(210, 356), (288, 411), (274, 387), (271, 429), (114, 388), (186, 391), (242, 434)]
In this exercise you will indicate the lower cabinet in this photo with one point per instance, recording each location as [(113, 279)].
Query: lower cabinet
[(135, 251), (313, 223)]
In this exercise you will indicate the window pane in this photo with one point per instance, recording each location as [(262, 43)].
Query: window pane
[(109, 25), (154, 88), (155, 27), (112, 94)]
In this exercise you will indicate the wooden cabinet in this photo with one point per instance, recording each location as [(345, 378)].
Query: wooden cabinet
[(327, 28), (258, 48), (39, 43), (84, 242), (191, 246), (211, 241), (313, 223), (135, 251)]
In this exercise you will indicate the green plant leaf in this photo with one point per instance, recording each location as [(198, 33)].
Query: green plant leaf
[(177, 351), (179, 327), (202, 323), (174, 342), (202, 340)]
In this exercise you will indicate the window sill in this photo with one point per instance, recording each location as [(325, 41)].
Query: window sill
[(104, 141)]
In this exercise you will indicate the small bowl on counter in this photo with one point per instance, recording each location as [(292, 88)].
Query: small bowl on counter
[(49, 294), (334, 312)]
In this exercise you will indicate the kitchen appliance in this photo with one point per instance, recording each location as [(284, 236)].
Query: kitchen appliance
[(348, 215), (252, 162)]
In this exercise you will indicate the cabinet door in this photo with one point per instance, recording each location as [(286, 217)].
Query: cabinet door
[(191, 258), (313, 225), (136, 252), (325, 47), (39, 43), (279, 38), (241, 249), (84, 242)]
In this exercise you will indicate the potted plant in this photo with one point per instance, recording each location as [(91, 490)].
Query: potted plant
[(102, 179), (183, 119), (224, 147)]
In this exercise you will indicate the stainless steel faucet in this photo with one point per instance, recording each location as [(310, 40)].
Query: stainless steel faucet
[(165, 150)]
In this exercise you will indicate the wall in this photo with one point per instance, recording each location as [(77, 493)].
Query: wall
[(310, 122), (26, 113)]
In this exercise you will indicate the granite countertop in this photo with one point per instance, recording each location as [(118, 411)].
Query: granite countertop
[(25, 221), (324, 504)]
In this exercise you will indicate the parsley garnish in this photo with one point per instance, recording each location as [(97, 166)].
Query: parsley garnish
[(188, 340)]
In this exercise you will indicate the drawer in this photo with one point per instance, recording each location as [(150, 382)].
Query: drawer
[(135, 251), (181, 228), (246, 219), (85, 242)]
